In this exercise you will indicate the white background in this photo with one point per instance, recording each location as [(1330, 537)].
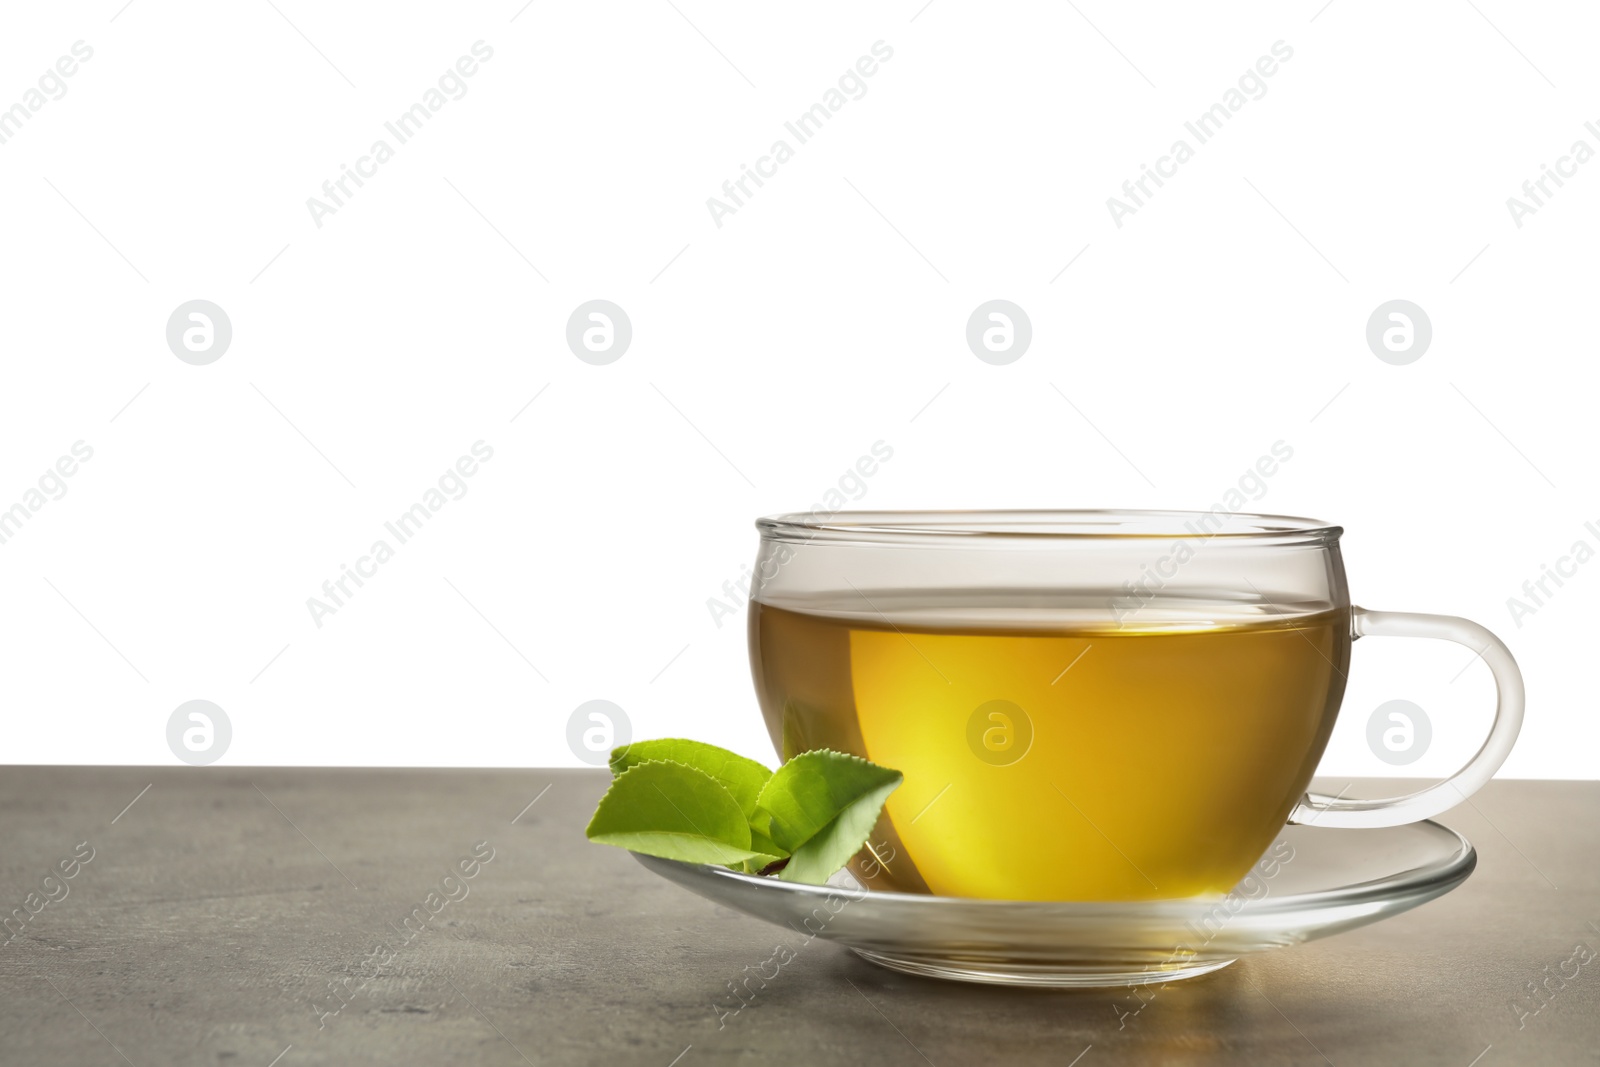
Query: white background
[(768, 354)]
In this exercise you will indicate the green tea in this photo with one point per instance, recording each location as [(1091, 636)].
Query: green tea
[(1052, 754)]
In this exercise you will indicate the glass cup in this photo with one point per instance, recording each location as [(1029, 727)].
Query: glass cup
[(1086, 705)]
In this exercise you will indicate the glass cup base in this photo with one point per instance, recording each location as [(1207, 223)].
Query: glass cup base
[(1062, 974)]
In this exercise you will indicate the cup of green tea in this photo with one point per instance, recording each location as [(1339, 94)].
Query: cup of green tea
[(1086, 705)]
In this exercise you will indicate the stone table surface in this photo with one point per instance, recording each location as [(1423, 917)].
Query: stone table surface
[(230, 916)]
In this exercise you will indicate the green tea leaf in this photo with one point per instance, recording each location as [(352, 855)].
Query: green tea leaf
[(764, 856), (820, 806), (675, 811), (739, 776), (763, 844)]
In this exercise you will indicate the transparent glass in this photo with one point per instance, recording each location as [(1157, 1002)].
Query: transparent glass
[(1086, 705), (1311, 882)]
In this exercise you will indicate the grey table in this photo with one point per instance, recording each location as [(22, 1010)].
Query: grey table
[(230, 916)]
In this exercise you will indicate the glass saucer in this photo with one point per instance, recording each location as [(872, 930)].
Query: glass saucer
[(1324, 881)]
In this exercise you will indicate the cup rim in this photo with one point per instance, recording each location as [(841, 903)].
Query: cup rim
[(1037, 527)]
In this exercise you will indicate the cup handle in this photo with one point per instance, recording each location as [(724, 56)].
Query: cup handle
[(1397, 811)]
